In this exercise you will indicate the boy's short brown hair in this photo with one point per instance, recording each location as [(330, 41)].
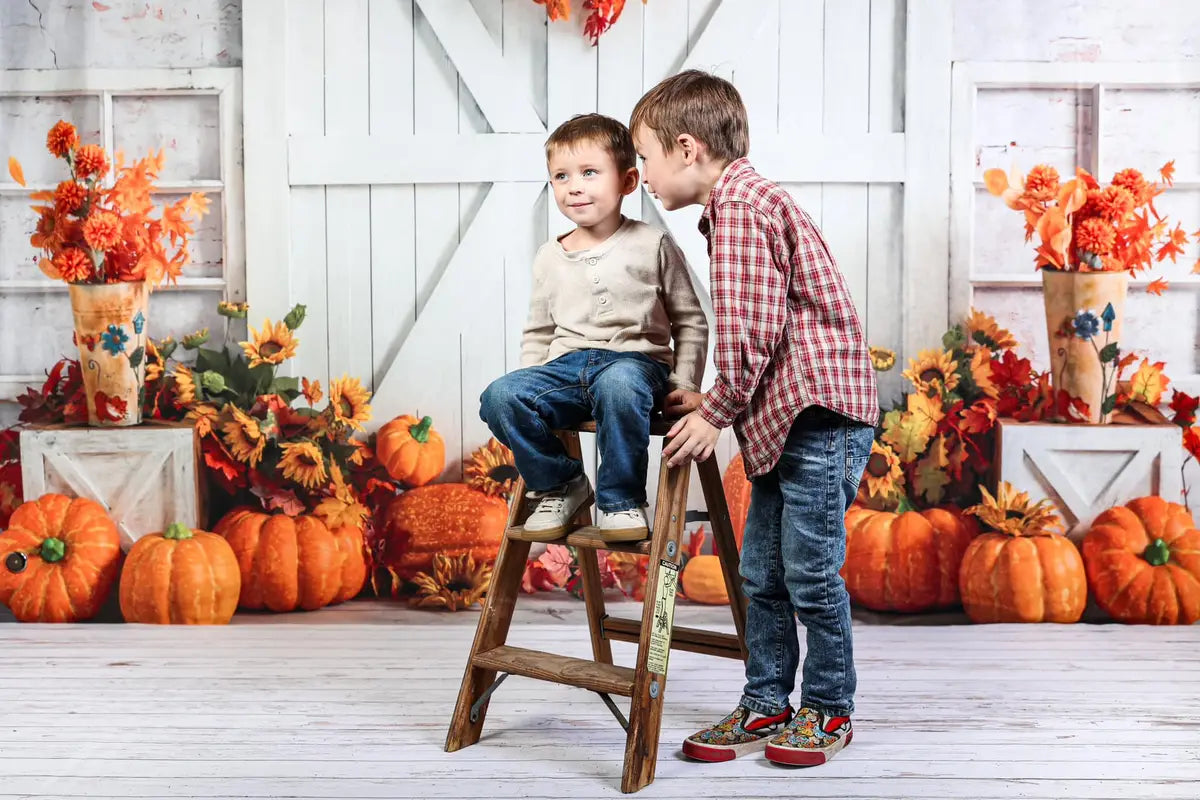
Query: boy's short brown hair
[(703, 105), (607, 132)]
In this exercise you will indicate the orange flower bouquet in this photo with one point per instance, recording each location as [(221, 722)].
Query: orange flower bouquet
[(1091, 238), (99, 235)]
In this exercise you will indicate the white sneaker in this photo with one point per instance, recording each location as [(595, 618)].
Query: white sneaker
[(551, 517), (630, 525)]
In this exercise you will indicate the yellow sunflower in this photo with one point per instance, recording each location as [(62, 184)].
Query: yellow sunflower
[(1013, 513), (348, 402), (274, 345), (983, 329), (933, 370), (185, 386), (243, 436), (884, 476), (456, 583), (882, 359), (304, 463), (492, 470), (203, 417)]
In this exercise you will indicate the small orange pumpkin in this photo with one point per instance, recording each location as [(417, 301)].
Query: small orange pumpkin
[(905, 561), (180, 577), (737, 496), (1143, 563), (293, 562), (411, 450), (58, 559), (704, 581), (447, 518)]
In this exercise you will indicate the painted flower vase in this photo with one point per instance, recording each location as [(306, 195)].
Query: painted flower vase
[(1084, 311), (110, 332)]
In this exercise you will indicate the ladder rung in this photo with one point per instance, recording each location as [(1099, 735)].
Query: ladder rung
[(581, 672), (692, 640), (590, 537)]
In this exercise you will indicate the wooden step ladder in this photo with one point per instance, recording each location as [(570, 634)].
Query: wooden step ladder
[(655, 634)]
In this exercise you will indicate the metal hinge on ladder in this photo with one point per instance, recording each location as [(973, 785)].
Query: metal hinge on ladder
[(483, 698)]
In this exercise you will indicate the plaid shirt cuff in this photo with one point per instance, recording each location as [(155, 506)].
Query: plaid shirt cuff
[(716, 408)]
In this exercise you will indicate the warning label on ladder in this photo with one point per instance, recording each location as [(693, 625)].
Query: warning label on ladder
[(664, 616)]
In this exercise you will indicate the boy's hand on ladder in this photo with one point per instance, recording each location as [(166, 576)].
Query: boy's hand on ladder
[(691, 439)]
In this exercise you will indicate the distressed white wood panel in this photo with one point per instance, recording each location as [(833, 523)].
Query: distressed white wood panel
[(186, 128), (393, 207), (756, 73), (1145, 128), (620, 86), (305, 34), (802, 84), (37, 114), (348, 208)]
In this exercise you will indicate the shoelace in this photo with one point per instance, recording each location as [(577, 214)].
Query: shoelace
[(553, 503)]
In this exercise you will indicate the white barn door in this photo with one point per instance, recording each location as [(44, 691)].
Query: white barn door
[(395, 181)]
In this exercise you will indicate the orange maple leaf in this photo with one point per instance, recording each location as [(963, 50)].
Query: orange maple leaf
[(1157, 286), (1196, 268), (1168, 172), (1149, 382), (1174, 245)]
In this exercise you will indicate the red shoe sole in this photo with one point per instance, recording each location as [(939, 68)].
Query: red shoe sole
[(795, 757)]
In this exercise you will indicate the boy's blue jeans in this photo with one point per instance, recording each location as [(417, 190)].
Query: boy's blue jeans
[(793, 550), (618, 390)]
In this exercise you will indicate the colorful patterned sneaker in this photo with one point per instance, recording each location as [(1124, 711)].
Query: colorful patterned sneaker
[(810, 739), (737, 734)]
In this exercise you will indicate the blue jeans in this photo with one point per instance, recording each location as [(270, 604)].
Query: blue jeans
[(794, 547), (618, 390)]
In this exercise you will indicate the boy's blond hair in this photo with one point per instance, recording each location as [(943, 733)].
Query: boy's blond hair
[(703, 105), (598, 129)]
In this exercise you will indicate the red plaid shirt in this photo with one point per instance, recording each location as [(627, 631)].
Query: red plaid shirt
[(788, 335)]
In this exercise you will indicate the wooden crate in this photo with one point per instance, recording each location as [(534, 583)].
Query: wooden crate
[(1086, 469), (147, 476)]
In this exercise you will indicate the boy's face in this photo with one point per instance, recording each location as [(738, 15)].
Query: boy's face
[(588, 185), (666, 175)]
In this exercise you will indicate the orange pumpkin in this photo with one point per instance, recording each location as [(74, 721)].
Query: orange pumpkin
[(58, 559), (448, 518), (1143, 563), (703, 580), (293, 562), (1030, 577), (180, 577), (905, 561), (737, 496), (411, 450)]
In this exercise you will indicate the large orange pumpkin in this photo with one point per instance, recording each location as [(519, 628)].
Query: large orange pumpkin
[(905, 561), (58, 559), (1031, 577), (737, 496), (180, 577), (293, 562), (1143, 562), (448, 518), (411, 450), (703, 580)]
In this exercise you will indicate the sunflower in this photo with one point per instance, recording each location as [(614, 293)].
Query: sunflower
[(185, 385), (983, 329), (882, 359), (933, 370), (884, 475), (243, 437), (348, 402), (492, 470), (456, 583), (203, 417), (981, 372), (51, 230), (273, 346), (304, 463), (1013, 513)]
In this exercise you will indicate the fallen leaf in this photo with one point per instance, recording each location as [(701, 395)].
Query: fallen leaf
[(14, 169)]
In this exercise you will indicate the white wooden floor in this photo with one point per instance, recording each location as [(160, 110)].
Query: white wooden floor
[(353, 702)]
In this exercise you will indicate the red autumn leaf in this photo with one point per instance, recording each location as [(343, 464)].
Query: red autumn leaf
[(228, 472), (1010, 370), (1191, 441), (1184, 406), (696, 542), (1073, 409), (1157, 286), (980, 417), (1167, 172), (110, 409)]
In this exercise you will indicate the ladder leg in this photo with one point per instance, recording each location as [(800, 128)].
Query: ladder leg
[(493, 627), (593, 592), (724, 543), (645, 711)]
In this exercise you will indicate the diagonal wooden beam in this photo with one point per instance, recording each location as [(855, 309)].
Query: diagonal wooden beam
[(732, 28), (502, 95)]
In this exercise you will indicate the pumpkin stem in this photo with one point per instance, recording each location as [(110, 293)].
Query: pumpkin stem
[(420, 431), (177, 530), (1157, 553), (53, 550)]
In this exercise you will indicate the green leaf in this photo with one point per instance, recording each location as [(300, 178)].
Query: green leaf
[(954, 338), (135, 358), (261, 378), (1109, 404), (1109, 353), (285, 387), (208, 360), (239, 378)]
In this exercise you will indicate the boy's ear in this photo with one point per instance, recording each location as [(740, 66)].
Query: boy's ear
[(630, 183), (689, 146)]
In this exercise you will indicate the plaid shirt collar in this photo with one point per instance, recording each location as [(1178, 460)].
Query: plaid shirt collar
[(733, 170)]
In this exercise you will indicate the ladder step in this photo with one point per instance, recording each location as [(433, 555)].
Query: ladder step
[(581, 672), (590, 537), (692, 640)]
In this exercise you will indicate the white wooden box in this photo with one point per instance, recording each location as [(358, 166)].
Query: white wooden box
[(1087, 469), (146, 476)]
